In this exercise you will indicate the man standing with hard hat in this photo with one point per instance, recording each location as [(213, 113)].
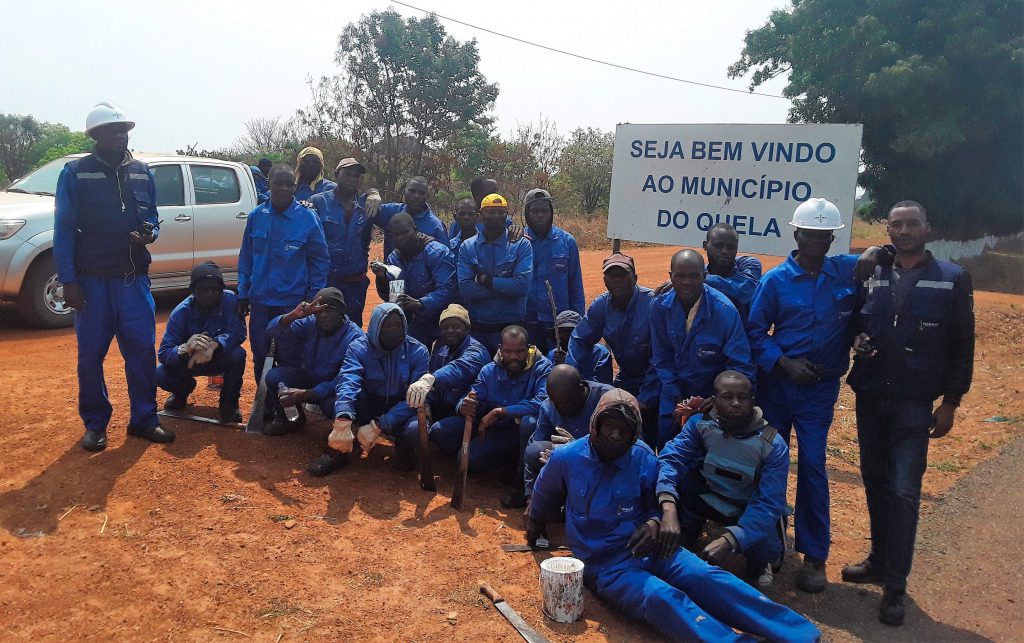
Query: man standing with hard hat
[(105, 216), (809, 300)]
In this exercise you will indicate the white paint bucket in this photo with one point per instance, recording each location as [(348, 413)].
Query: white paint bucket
[(561, 580)]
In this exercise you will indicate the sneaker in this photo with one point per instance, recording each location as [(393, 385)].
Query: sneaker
[(811, 578), (766, 578), (892, 610), (175, 402), (215, 382), (863, 572)]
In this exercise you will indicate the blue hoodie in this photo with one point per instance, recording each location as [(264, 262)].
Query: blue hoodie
[(384, 374)]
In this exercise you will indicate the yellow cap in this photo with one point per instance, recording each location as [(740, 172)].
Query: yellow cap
[(494, 201)]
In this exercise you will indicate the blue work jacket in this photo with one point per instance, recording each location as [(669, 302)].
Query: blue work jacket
[(223, 324), (510, 265), (96, 209), (430, 277), (301, 344), (627, 333), (598, 367), (556, 260), (348, 234), (455, 371), (519, 395), (687, 452), (304, 193), (425, 222), (740, 285), (578, 425), (283, 259), (604, 501), (687, 363), (811, 316)]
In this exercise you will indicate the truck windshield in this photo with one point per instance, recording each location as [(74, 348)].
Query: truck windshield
[(42, 180)]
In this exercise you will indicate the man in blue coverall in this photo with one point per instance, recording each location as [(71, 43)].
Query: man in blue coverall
[(563, 417), (621, 316), (464, 224), (312, 341), (204, 336), (283, 260), (347, 218), (504, 401), (105, 216), (597, 367), (427, 270), (733, 276), (310, 178), (729, 466), (260, 181), (371, 390), (808, 300), (455, 362), (414, 201), (696, 333), (494, 275), (606, 481), (556, 262)]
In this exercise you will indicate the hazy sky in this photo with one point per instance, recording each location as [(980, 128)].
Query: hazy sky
[(191, 71)]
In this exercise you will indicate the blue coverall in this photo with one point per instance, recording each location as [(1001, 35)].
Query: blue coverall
[(682, 597), (262, 187), (372, 382), (549, 419), (283, 261), (811, 318), (740, 285), (687, 363), (504, 442), (308, 359), (511, 267), (348, 237), (430, 277), (597, 368), (425, 221), (556, 260), (225, 326), (97, 208), (305, 193), (681, 474)]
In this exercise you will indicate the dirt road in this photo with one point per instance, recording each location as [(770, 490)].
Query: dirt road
[(190, 541)]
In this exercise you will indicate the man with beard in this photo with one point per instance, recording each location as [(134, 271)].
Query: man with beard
[(427, 269), (504, 402), (696, 333), (414, 202), (312, 341), (454, 365), (606, 481), (204, 336), (347, 218), (728, 466), (371, 388), (310, 178)]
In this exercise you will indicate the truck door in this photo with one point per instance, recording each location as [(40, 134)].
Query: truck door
[(219, 216), (172, 251)]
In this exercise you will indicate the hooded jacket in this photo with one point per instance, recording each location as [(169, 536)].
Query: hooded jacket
[(519, 395), (370, 370)]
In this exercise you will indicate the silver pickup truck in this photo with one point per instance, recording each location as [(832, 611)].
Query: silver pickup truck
[(203, 204)]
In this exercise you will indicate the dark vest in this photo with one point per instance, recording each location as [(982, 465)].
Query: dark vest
[(112, 203), (732, 465), (912, 343)]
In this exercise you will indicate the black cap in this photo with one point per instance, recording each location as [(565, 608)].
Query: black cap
[(207, 270), (332, 297)]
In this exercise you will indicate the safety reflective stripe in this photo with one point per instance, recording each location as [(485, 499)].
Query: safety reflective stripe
[(138, 176), (941, 285), (90, 175)]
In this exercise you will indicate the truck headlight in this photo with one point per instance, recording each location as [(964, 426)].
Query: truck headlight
[(9, 226)]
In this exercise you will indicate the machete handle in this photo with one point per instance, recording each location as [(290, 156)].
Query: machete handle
[(490, 593)]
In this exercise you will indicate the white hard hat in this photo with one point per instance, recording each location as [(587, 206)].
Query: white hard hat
[(104, 113), (817, 214)]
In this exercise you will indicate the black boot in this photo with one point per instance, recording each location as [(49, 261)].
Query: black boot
[(514, 495), (94, 440), (863, 572), (892, 610), (175, 402), (229, 414), (328, 463), (154, 434)]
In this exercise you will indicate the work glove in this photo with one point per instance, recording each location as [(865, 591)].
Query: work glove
[(688, 407), (203, 355), (372, 202), (416, 396), (559, 438), (341, 437), (368, 434), (196, 342)]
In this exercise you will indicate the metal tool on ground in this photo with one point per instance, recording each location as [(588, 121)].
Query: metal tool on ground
[(459, 494), (542, 545), (255, 423), (554, 313), (198, 418), (426, 465), (531, 635)]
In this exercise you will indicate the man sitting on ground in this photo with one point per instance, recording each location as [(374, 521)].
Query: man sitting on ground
[(597, 366)]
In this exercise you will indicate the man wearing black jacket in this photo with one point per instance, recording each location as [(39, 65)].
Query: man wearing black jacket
[(916, 344)]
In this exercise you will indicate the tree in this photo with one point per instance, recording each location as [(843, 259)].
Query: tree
[(265, 136), (18, 134), (56, 141), (937, 85), (585, 167)]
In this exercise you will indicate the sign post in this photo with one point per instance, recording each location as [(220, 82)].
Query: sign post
[(672, 183)]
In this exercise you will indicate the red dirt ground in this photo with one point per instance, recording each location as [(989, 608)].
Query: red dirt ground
[(189, 541)]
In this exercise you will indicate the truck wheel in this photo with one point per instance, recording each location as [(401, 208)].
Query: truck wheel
[(41, 302)]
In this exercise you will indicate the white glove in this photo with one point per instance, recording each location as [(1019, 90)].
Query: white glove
[(561, 436), (416, 396), (203, 355), (372, 202), (368, 434), (196, 342), (341, 437)]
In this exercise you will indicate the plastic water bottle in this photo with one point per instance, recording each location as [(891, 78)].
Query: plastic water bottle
[(290, 412)]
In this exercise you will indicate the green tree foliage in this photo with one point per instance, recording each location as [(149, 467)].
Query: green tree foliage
[(937, 85), (57, 141), (585, 168), (18, 135)]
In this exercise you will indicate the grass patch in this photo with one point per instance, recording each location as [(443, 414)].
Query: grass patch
[(950, 465)]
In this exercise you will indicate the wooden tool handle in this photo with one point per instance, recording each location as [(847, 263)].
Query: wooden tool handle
[(490, 593)]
